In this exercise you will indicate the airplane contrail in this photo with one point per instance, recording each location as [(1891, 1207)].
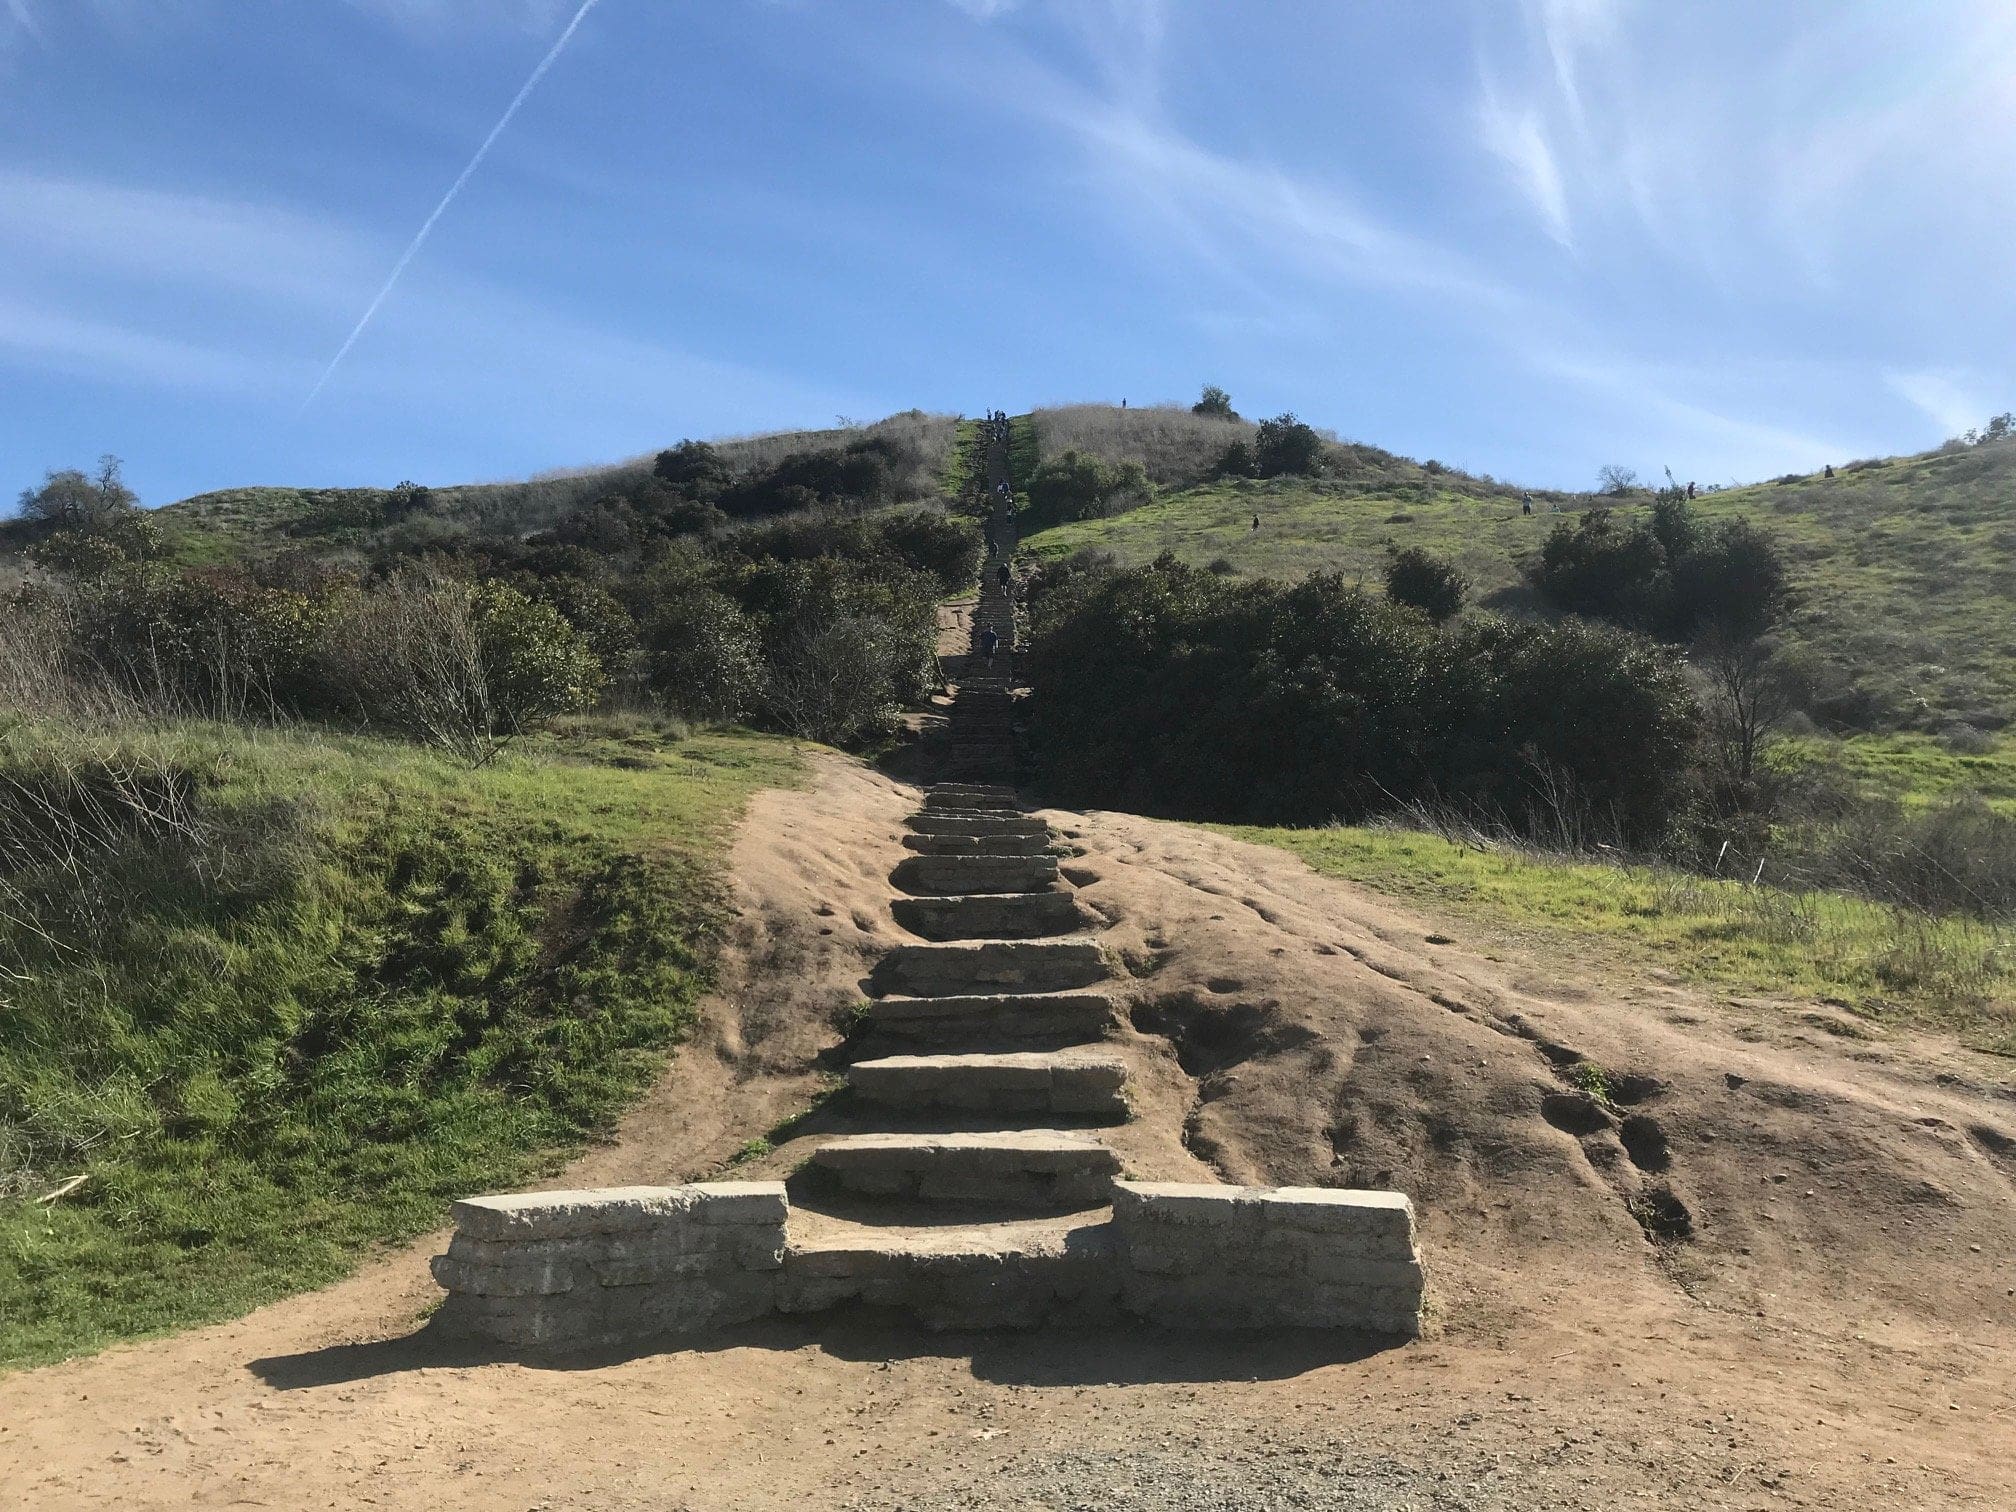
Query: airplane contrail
[(449, 198)]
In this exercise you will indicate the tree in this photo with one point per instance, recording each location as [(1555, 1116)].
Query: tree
[(1615, 479), (1420, 578), (74, 500), (1751, 693), (1216, 403), (1285, 446)]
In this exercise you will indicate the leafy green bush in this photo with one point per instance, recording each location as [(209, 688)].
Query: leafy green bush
[(1668, 575), (705, 655), (1171, 690), (1285, 447), (1423, 580), (1079, 486)]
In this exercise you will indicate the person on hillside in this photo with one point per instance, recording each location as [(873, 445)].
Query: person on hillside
[(1830, 469), (1690, 488), (1002, 575), (1256, 522), (989, 643), (1526, 503)]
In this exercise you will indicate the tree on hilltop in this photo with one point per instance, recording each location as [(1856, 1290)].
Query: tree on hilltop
[(1215, 403), (72, 499)]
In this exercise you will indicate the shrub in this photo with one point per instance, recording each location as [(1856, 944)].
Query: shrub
[(466, 667), (1669, 575), (1425, 581), (1284, 446), (1615, 479), (1237, 461), (705, 656), (695, 469), (1596, 567), (1077, 486), (1171, 690)]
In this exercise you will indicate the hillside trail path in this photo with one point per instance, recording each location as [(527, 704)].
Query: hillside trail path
[(1834, 1328)]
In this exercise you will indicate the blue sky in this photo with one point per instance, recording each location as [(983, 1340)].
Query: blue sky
[(1525, 238)]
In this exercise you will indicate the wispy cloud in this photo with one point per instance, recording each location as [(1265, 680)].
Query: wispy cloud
[(427, 227), (183, 294), (1953, 401), (448, 16), (1517, 137), (83, 346), (1243, 215)]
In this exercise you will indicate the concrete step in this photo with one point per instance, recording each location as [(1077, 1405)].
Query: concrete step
[(980, 966), (1054, 1169), (992, 916), (1069, 1017), (1078, 1082), (1019, 1273), (946, 799), (946, 876), (950, 822), (977, 845), (975, 790)]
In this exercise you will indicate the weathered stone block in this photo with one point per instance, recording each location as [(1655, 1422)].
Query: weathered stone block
[(740, 1202), (1324, 1210), (527, 1277), (569, 1215), (1186, 1204)]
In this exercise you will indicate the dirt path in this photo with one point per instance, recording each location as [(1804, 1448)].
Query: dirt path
[(1836, 1330)]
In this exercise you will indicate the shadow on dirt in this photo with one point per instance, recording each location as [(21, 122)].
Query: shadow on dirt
[(1121, 1355)]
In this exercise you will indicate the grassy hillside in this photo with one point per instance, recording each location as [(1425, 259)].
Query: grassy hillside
[(1905, 569), (231, 522), (279, 996), (1890, 966)]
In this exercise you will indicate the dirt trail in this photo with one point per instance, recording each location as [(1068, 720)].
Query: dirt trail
[(1836, 1330)]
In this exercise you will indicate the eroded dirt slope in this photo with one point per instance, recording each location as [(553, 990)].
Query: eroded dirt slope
[(1826, 1333)]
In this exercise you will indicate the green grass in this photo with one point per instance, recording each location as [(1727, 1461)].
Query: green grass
[(1905, 569), (1024, 454), (1894, 968), (1914, 769), (352, 982)]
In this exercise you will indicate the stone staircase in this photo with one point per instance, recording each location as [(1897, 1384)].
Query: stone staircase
[(973, 1189)]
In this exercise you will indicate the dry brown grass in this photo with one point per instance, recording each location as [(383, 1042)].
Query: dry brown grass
[(1175, 446)]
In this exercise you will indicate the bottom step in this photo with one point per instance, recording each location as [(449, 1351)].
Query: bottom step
[(1018, 1274)]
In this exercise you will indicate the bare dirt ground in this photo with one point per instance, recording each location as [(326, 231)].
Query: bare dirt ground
[(1834, 1329)]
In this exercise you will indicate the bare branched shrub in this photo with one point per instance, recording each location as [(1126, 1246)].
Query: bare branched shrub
[(468, 667), (408, 656), (834, 682)]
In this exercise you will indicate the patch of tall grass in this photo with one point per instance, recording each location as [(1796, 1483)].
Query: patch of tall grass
[(1893, 965), (269, 997)]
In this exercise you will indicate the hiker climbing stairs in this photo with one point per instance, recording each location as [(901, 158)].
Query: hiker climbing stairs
[(975, 1185)]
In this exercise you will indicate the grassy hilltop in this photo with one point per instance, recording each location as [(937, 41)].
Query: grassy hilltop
[(1904, 569)]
